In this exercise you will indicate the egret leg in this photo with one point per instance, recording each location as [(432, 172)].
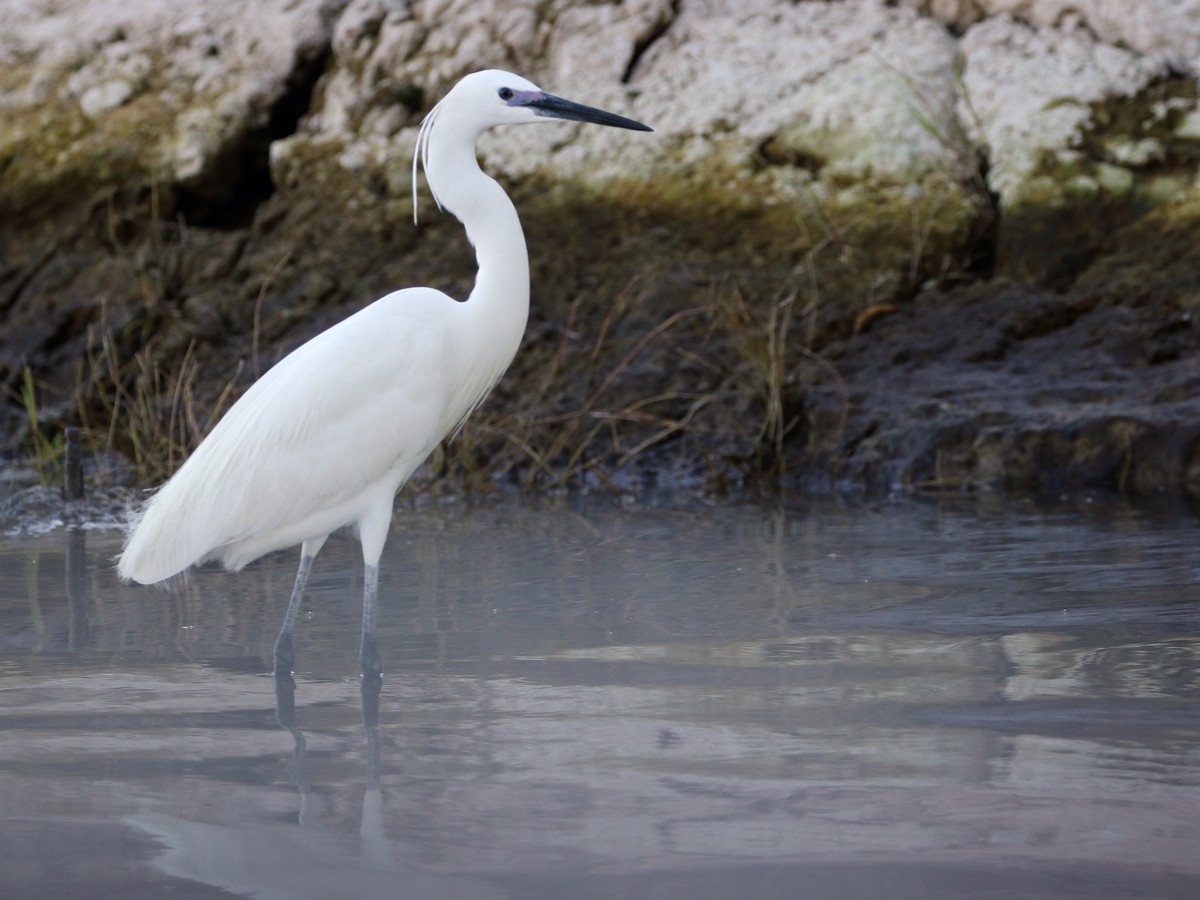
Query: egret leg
[(372, 532), (285, 657), (368, 654)]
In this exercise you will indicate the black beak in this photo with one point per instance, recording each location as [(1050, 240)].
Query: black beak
[(557, 108)]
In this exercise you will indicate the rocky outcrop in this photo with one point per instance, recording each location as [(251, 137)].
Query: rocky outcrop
[(101, 91), (186, 192), (1169, 30)]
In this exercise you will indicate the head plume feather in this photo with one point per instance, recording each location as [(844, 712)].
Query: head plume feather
[(421, 156)]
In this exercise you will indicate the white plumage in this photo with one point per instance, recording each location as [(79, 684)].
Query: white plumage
[(329, 435), (341, 421)]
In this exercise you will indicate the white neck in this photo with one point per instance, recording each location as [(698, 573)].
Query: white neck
[(498, 306)]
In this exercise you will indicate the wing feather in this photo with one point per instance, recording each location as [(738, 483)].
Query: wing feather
[(358, 406)]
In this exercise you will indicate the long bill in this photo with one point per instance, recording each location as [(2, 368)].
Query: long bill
[(557, 108)]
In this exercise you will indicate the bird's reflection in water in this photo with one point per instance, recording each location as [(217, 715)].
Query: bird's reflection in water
[(371, 829), (266, 859), (375, 843), (285, 715), (77, 593)]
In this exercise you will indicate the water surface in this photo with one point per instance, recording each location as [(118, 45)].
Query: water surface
[(904, 701)]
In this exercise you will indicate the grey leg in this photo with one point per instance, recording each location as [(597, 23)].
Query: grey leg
[(368, 654), (285, 658)]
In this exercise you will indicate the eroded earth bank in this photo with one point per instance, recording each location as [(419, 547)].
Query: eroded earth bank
[(870, 245)]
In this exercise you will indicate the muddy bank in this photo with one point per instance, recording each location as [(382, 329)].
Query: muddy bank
[(649, 359), (1014, 388), (870, 247)]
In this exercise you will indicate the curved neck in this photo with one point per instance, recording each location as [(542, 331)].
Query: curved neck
[(500, 299)]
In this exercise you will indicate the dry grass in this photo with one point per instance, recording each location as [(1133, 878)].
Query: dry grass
[(147, 412), (715, 384), (718, 384), (574, 420), (152, 247), (588, 402), (760, 337), (44, 451)]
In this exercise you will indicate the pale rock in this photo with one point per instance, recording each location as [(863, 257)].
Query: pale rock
[(1188, 128), (1135, 153), (853, 80), (223, 67), (1169, 29), (1081, 188), (1160, 189), (393, 59), (1117, 181), (593, 45), (197, 134), (858, 89), (100, 98), (1030, 90)]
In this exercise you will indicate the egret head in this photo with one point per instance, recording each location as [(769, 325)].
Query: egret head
[(493, 97)]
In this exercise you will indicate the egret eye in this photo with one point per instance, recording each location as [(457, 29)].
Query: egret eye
[(506, 94)]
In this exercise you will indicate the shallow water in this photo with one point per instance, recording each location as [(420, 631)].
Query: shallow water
[(904, 701)]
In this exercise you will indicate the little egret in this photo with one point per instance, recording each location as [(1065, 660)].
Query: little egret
[(327, 437)]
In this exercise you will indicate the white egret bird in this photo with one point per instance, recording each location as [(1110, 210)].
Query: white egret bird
[(327, 437)]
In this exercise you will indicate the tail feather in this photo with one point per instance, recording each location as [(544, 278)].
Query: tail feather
[(196, 511), (150, 555), (168, 534)]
